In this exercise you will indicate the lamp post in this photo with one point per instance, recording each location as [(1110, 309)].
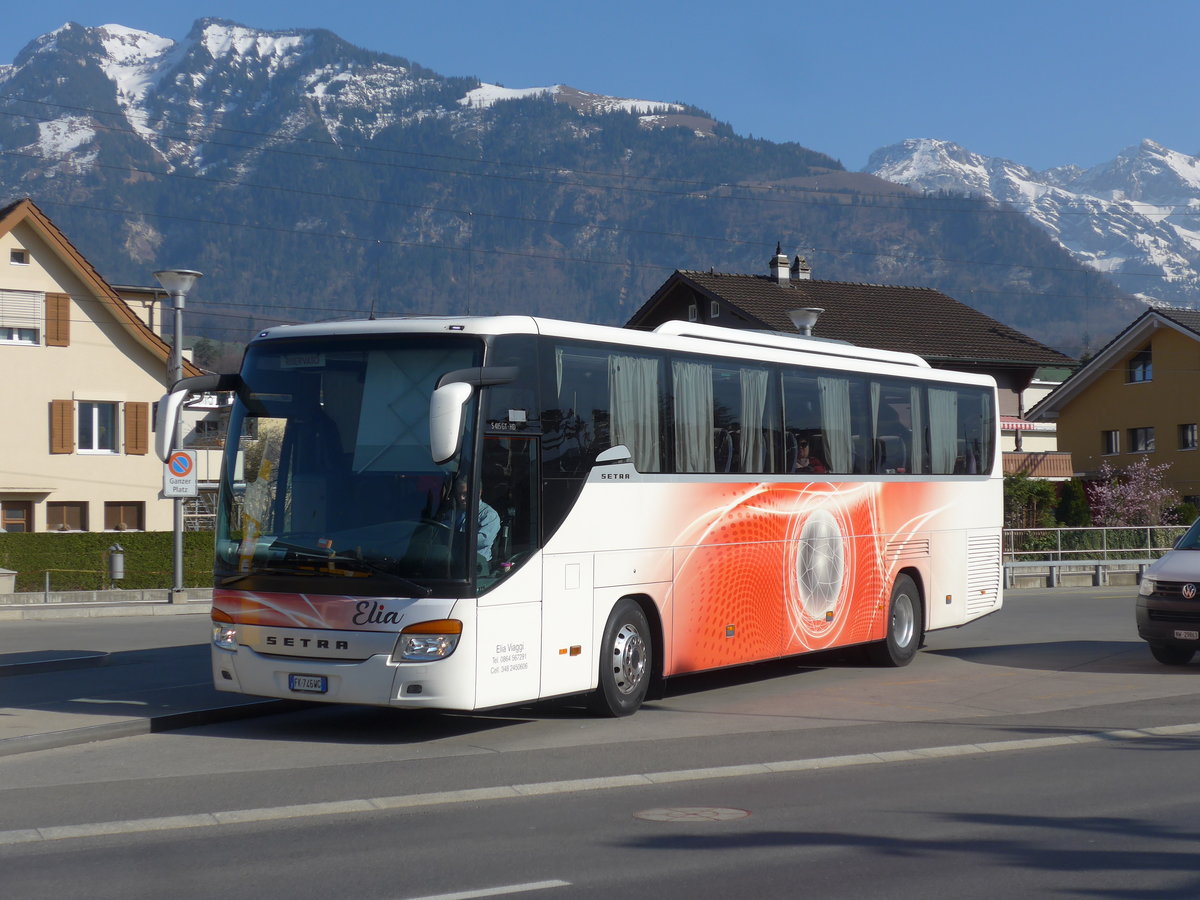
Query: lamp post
[(177, 283)]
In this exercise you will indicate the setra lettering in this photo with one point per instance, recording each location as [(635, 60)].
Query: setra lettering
[(315, 643)]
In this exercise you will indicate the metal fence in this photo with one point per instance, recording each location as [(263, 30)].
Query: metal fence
[(1085, 544)]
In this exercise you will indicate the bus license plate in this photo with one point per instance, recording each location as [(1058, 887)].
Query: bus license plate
[(309, 684), (1187, 635)]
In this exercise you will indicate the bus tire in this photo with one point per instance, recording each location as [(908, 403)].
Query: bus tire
[(625, 662), (905, 626)]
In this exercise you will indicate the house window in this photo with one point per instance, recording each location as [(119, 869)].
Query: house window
[(1187, 437), (66, 516), (1141, 367), (21, 317), (97, 427), (18, 257), (714, 309), (207, 432), (16, 515), (1141, 440), (120, 516), (1112, 442), (693, 313)]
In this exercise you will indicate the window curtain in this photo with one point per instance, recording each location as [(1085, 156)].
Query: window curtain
[(754, 408), (943, 430), (835, 423), (694, 421), (917, 463), (633, 404), (987, 428)]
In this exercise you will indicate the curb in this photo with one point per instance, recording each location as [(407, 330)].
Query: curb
[(153, 725), (40, 661), (40, 611)]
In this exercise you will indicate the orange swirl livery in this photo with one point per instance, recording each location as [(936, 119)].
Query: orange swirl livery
[(787, 568)]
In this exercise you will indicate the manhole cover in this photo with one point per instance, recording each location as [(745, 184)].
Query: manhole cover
[(691, 814)]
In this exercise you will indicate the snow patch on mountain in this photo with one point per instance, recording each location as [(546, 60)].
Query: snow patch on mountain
[(64, 136), (487, 95), (223, 39)]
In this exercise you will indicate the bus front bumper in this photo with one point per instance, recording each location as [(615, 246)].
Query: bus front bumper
[(376, 681)]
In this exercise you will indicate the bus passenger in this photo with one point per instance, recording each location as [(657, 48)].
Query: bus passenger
[(805, 462)]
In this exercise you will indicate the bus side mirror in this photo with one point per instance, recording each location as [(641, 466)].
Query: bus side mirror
[(164, 422), (446, 406), (448, 400), (168, 407)]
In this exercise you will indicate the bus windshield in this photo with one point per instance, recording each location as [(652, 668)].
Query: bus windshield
[(328, 484)]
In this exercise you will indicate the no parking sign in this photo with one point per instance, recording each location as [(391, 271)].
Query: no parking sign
[(179, 476)]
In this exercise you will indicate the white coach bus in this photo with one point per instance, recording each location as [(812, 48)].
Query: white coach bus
[(465, 513)]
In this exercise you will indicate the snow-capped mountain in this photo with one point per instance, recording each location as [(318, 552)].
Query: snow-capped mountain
[(311, 178), (294, 81), (1137, 218)]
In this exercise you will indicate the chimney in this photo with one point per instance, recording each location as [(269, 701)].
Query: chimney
[(801, 270), (779, 267), (804, 319)]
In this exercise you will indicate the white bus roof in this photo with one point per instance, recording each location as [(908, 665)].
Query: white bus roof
[(680, 335)]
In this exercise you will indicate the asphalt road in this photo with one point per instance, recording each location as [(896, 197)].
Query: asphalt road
[(1040, 751)]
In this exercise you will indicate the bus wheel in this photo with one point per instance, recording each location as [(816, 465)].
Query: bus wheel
[(1172, 654), (905, 625), (624, 662)]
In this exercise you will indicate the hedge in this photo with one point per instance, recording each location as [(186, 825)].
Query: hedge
[(79, 561)]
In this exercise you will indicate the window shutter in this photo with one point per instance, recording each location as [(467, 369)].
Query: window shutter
[(137, 428), (62, 426), (58, 320)]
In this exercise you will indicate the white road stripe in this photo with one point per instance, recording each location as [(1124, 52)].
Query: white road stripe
[(510, 792), (498, 891)]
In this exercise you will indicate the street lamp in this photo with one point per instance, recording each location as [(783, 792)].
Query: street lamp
[(177, 283)]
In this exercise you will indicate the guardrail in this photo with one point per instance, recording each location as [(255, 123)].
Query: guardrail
[(1055, 557), (1097, 573), (1087, 544)]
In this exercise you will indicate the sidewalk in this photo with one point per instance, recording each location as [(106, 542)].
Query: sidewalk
[(60, 697)]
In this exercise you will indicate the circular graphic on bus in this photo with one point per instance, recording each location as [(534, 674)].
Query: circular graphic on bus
[(820, 564)]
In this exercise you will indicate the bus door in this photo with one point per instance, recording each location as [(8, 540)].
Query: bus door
[(508, 569)]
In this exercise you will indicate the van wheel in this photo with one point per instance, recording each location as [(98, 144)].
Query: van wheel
[(1172, 654), (905, 626), (625, 662)]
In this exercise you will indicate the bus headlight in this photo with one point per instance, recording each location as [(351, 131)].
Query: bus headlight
[(224, 630), (225, 636), (427, 641), (1146, 588)]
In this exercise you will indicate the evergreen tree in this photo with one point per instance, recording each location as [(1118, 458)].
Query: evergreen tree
[(1073, 510)]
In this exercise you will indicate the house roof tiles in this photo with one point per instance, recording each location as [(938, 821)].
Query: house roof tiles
[(937, 327)]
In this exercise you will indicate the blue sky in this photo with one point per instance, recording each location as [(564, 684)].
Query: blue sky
[(1040, 82)]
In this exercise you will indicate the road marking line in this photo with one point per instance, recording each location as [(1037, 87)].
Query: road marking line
[(498, 891), (511, 792)]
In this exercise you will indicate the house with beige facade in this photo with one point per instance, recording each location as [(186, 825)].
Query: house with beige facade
[(82, 371), (1135, 399)]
